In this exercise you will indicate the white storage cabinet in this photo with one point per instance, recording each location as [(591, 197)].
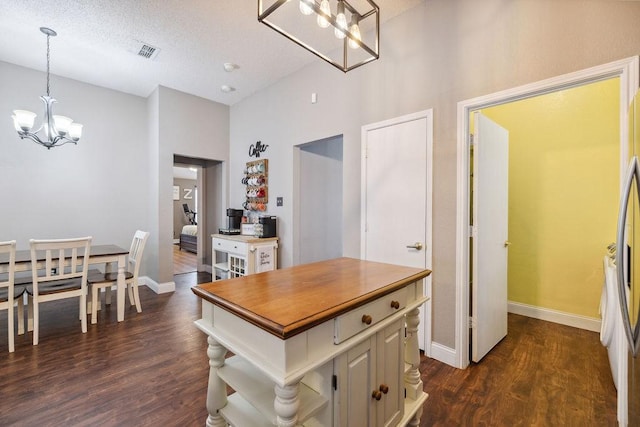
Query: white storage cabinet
[(237, 255)]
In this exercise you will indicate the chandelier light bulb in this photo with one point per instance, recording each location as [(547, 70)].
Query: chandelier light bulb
[(305, 8), (341, 20), (354, 29), (324, 6)]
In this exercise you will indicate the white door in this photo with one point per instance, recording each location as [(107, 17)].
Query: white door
[(396, 198), (490, 235)]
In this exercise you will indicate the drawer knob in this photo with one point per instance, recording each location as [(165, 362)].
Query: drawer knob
[(376, 395), (384, 388), (395, 304), (366, 319)]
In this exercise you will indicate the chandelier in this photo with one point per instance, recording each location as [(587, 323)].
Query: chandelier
[(57, 130), (355, 23)]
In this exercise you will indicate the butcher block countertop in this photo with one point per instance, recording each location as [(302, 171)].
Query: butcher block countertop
[(289, 301)]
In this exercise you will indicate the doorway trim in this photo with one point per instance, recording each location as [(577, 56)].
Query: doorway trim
[(626, 69)]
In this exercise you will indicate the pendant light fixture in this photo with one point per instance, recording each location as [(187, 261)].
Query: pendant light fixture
[(355, 37), (57, 130)]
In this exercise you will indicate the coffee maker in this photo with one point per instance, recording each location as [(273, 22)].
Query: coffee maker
[(234, 218)]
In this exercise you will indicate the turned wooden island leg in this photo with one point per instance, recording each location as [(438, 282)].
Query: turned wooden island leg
[(217, 390), (287, 404), (412, 381)]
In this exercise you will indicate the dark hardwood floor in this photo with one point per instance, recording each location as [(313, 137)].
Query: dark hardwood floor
[(184, 261), (152, 369)]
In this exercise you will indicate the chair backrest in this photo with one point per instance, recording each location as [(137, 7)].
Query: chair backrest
[(135, 252), (64, 259), (8, 254)]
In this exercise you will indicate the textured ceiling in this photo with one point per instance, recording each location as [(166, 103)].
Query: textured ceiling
[(97, 41)]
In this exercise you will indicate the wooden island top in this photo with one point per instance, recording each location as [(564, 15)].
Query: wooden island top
[(289, 301)]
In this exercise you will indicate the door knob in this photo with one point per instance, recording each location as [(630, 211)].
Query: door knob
[(376, 395), (507, 243), (416, 245)]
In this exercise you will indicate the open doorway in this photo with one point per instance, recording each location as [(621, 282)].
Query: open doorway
[(319, 168), (198, 212), (625, 70), (185, 219)]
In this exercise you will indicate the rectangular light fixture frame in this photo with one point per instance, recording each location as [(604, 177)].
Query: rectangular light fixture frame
[(343, 65)]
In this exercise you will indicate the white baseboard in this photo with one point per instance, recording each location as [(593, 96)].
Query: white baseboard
[(443, 354), (207, 268), (555, 316), (176, 241), (158, 288)]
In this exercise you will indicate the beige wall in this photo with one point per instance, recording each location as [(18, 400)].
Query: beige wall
[(433, 56)]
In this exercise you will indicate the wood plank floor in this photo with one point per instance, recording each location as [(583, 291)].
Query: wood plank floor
[(184, 261), (152, 369)]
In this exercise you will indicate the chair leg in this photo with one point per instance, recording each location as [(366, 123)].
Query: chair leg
[(107, 295), (35, 321), (30, 312), (132, 299), (83, 311), (136, 295), (10, 325), (21, 315), (94, 303)]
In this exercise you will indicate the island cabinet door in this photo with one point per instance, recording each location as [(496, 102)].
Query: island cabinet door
[(390, 378), (369, 382), (354, 372)]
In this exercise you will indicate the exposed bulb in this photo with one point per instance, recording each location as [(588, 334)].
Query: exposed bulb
[(305, 9), (354, 29), (324, 6), (341, 21)]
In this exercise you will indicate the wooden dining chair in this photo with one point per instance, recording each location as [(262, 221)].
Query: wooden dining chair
[(10, 293), (64, 275), (98, 280)]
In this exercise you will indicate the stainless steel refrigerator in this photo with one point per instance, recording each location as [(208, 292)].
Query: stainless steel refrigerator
[(628, 279)]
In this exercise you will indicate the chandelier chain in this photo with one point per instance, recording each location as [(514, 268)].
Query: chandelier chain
[(48, 51)]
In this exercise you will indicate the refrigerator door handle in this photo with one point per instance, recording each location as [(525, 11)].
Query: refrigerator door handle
[(633, 333)]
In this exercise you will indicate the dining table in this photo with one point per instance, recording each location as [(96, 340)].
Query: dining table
[(98, 254)]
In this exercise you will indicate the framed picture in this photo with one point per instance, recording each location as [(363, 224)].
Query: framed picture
[(187, 193), (176, 192)]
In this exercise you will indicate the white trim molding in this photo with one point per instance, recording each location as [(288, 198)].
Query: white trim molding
[(443, 354), (625, 69), (555, 316), (158, 288)]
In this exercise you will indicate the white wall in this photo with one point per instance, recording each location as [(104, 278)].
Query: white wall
[(189, 126), (434, 56), (320, 200), (98, 187)]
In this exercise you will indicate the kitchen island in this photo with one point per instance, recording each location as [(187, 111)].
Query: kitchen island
[(328, 343)]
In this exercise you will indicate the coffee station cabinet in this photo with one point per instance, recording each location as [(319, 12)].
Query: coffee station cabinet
[(238, 255)]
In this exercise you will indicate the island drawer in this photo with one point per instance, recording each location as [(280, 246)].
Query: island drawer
[(355, 321)]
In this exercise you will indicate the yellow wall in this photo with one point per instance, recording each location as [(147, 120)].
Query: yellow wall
[(563, 194)]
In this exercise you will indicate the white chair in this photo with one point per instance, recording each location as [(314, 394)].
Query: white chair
[(98, 280), (64, 276), (10, 294)]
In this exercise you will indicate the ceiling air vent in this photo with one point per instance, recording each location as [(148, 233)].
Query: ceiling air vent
[(147, 51)]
